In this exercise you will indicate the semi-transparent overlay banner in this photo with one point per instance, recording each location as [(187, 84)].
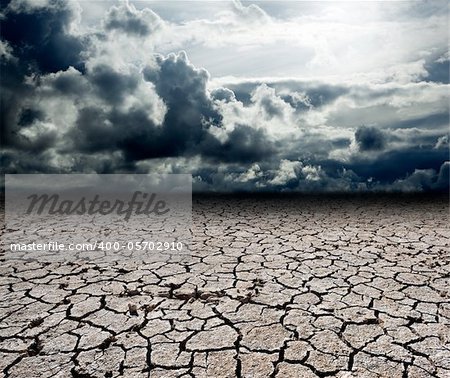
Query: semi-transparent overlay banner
[(100, 218)]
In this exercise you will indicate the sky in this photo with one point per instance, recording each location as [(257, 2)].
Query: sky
[(320, 96)]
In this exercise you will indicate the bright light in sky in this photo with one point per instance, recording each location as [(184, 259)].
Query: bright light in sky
[(297, 39)]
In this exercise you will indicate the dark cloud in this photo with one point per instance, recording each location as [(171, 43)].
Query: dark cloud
[(93, 132), (323, 94), (244, 145), (12, 93), (299, 104), (66, 108), (140, 139), (425, 180), (438, 71), (395, 164), (340, 142), (425, 121), (178, 82), (28, 116), (69, 82), (191, 111), (112, 86), (443, 179), (424, 9), (24, 162), (370, 138), (40, 42), (39, 36)]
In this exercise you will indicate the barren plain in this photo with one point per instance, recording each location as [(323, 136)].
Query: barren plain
[(285, 286)]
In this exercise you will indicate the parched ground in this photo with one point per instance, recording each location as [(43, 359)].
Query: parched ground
[(276, 287)]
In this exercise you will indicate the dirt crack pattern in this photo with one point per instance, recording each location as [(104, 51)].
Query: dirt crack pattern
[(275, 287)]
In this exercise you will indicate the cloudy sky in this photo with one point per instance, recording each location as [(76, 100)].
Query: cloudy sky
[(254, 96)]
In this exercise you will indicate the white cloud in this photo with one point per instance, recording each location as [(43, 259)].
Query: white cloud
[(288, 170), (253, 173), (127, 19), (442, 142)]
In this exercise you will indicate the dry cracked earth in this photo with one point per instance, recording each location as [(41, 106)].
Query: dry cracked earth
[(275, 287)]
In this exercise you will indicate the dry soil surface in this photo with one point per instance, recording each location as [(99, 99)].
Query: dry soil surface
[(275, 287)]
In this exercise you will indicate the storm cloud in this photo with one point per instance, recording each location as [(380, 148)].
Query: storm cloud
[(108, 98), (370, 138), (39, 35)]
